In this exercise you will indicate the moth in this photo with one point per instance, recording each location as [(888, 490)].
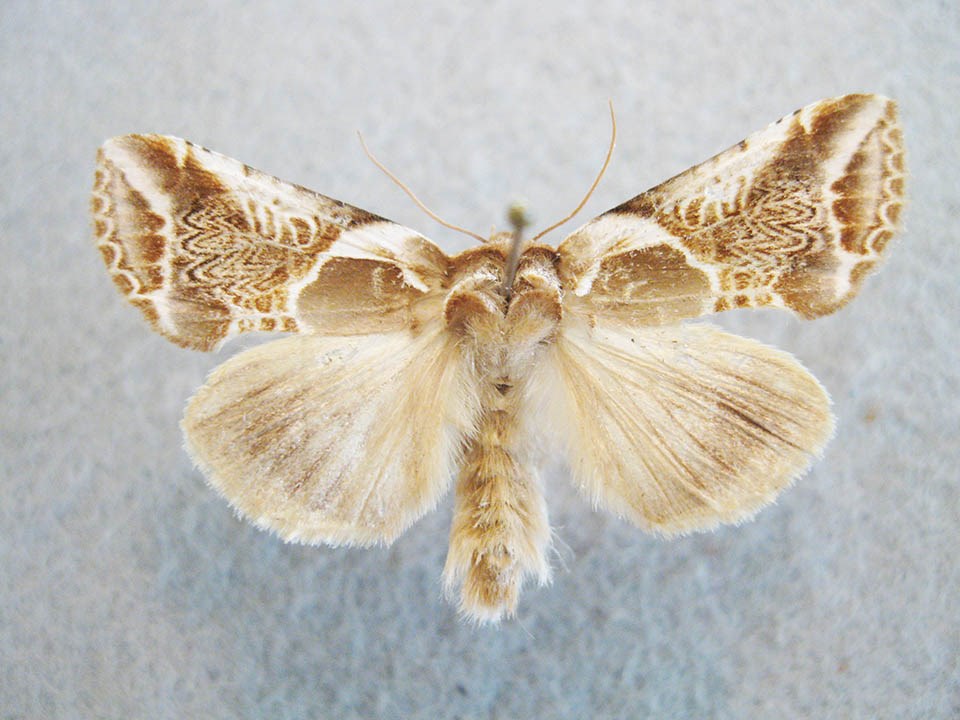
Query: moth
[(406, 368)]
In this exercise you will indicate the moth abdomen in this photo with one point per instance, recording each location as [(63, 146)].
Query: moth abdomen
[(500, 532)]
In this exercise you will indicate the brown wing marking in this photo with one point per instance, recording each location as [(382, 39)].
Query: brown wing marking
[(794, 216), (207, 247)]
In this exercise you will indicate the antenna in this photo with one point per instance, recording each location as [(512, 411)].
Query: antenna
[(413, 197), (578, 208)]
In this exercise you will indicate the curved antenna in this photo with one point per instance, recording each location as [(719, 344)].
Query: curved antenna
[(413, 197), (578, 208)]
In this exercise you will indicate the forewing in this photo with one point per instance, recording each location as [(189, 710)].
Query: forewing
[(207, 248), (341, 440), (795, 216), (680, 428)]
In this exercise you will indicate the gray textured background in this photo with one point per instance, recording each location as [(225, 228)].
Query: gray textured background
[(128, 589)]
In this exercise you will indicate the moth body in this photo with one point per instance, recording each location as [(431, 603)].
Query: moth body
[(500, 533), (406, 370)]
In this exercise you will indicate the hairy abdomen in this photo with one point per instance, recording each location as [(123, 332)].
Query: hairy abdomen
[(500, 532)]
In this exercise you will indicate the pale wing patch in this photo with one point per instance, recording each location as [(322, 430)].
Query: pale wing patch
[(681, 428), (795, 216), (340, 440), (207, 247)]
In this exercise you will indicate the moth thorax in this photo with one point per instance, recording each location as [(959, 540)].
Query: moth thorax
[(475, 304), (478, 307), (475, 307), (535, 306)]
